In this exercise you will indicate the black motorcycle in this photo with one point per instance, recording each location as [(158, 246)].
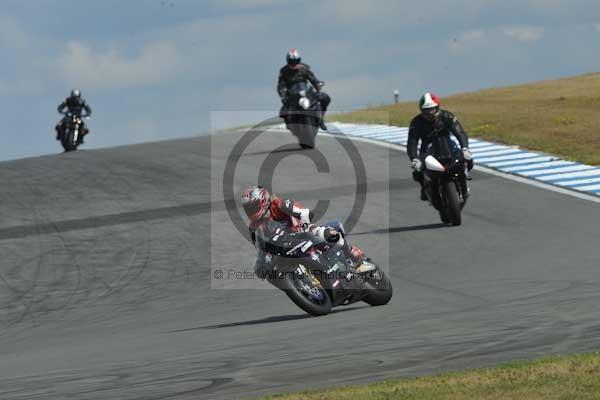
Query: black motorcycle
[(445, 179), (303, 114), (326, 279), (72, 132)]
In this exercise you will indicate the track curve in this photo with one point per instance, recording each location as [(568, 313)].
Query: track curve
[(105, 277)]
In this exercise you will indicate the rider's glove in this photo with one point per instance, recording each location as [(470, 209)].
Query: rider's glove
[(284, 96), (328, 234), (305, 217), (467, 154), (331, 235), (416, 164)]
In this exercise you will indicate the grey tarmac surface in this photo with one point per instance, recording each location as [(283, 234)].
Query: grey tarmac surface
[(107, 258)]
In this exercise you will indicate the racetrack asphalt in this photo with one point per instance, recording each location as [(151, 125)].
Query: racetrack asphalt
[(108, 257)]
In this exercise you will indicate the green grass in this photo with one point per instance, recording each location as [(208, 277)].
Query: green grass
[(561, 377), (560, 117)]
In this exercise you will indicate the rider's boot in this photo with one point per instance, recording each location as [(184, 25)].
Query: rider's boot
[(322, 125), (322, 122)]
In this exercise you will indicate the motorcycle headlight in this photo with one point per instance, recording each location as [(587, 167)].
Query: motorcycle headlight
[(304, 103)]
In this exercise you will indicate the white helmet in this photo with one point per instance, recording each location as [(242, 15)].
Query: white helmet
[(429, 105), (293, 58)]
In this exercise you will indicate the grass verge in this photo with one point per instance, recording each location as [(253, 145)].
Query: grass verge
[(560, 117), (561, 377)]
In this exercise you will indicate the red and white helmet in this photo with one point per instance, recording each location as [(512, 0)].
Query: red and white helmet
[(293, 58), (429, 105), (256, 201)]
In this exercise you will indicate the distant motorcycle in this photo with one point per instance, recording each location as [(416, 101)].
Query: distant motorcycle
[(326, 280), (445, 179), (304, 113), (72, 134)]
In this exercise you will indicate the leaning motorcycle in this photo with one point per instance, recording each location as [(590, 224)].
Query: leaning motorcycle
[(445, 179), (326, 278), (303, 114), (71, 135)]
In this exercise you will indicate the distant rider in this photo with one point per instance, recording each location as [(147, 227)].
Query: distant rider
[(74, 104), (430, 123), (296, 71), (275, 223)]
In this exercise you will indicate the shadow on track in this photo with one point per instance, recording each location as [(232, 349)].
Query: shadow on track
[(268, 320), (402, 229)]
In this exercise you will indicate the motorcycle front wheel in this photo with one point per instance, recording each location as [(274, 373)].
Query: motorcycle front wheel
[(67, 142), (307, 293), (453, 203)]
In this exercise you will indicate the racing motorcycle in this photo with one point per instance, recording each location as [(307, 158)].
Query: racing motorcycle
[(445, 179), (326, 278), (304, 113), (71, 135)]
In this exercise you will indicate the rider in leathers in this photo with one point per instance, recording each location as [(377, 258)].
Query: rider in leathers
[(430, 123), (74, 104), (296, 71), (278, 225)]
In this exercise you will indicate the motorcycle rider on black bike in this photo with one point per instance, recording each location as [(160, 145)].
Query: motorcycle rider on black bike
[(430, 123), (296, 71), (74, 104), (275, 221)]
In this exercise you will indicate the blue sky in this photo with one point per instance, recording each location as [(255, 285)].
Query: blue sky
[(155, 70)]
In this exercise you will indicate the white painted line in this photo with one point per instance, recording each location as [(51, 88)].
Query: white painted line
[(589, 187), (384, 136), (515, 178), (572, 168), (366, 130), (578, 181), (375, 132), (490, 153), (518, 156), (523, 157), (590, 172), (537, 166), (520, 162), (481, 145)]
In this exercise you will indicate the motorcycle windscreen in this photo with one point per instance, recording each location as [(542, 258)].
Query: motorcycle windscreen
[(299, 89), (442, 147)]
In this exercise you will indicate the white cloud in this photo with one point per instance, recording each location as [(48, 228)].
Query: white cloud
[(390, 13), (246, 4), (467, 40), (524, 33), (156, 63)]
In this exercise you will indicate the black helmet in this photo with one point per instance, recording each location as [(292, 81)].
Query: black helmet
[(75, 93)]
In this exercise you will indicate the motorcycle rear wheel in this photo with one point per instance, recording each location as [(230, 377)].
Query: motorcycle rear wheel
[(379, 290)]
